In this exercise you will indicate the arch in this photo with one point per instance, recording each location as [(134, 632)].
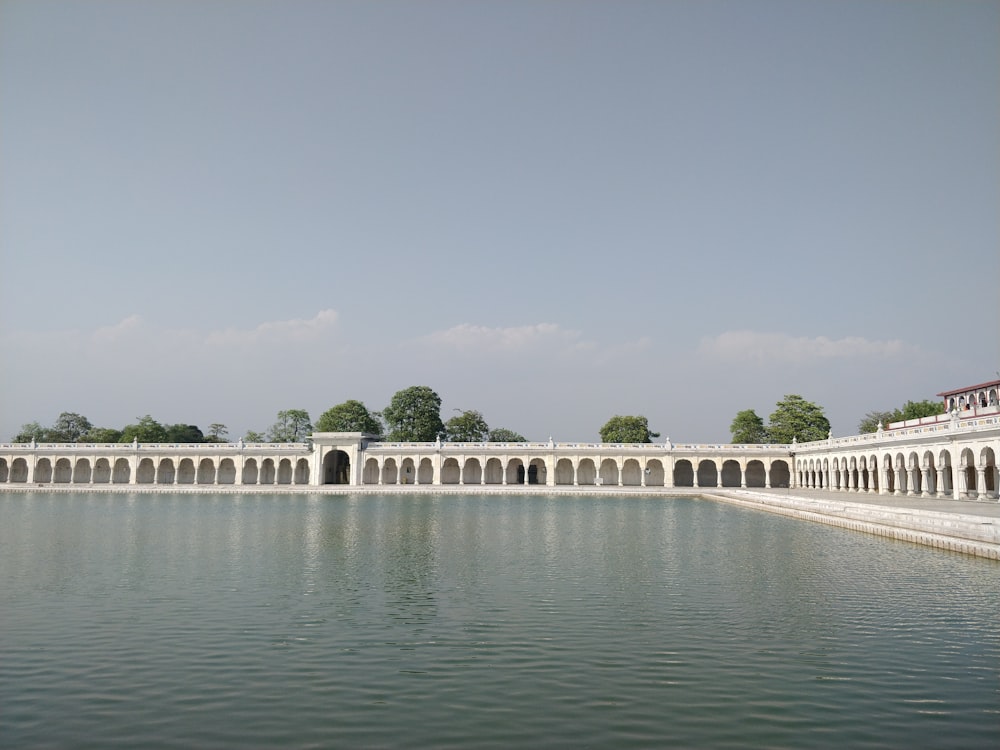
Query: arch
[(165, 472), (336, 468), (63, 473), (19, 471), (967, 465), (425, 471), (564, 471), (472, 472), (81, 472), (731, 474), (407, 471), (227, 471), (146, 473), (683, 474), (122, 473), (708, 474), (102, 471), (284, 471), (4, 470), (370, 473), (991, 478), (609, 472), (631, 473), (538, 472), (756, 475), (493, 474), (586, 472), (390, 472), (515, 471), (267, 471), (43, 471), (450, 473), (250, 471), (655, 473), (301, 475), (185, 471), (781, 475), (206, 471)]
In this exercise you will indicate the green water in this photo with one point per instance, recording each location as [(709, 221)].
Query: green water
[(481, 622)]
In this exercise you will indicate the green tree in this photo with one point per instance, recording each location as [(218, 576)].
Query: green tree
[(798, 419), (503, 435), (252, 436), (872, 419), (70, 426), (467, 427), (101, 435), (414, 415), (350, 416), (921, 409), (748, 427), (620, 429), (147, 430), (33, 431), (217, 433), (293, 426), (184, 433)]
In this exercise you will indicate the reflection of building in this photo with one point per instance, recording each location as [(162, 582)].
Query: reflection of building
[(983, 395)]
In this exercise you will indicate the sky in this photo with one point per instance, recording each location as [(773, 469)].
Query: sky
[(549, 212)]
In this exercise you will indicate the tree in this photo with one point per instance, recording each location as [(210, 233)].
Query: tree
[(148, 430), (503, 435), (921, 409), (414, 415), (627, 430), (70, 426), (101, 435), (910, 410), (292, 426), (748, 427), (217, 433), (873, 419), (350, 416), (253, 436), (467, 427), (184, 433), (798, 419), (32, 431)]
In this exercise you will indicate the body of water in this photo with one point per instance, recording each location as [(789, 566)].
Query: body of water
[(481, 622)]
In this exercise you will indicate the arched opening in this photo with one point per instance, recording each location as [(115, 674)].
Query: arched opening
[(336, 468), (390, 475), (165, 473), (81, 472), (586, 472), (19, 471), (267, 472), (185, 471), (250, 472), (227, 471), (564, 471), (708, 475), (369, 474), (631, 473), (450, 473), (472, 472), (731, 475), (206, 471), (609, 472), (284, 471), (3, 470), (494, 471), (537, 473), (146, 473), (781, 474), (102, 471), (683, 474), (655, 474), (515, 471), (64, 472), (425, 471), (756, 476), (122, 473)]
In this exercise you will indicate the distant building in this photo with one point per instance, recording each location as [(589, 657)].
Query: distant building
[(971, 397)]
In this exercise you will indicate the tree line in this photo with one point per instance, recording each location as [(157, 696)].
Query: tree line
[(412, 415), (795, 419)]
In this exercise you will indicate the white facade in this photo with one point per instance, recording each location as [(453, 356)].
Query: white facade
[(951, 458)]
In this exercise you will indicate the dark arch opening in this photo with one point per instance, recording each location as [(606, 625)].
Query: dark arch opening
[(336, 468)]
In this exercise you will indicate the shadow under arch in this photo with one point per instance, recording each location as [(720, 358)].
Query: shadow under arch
[(336, 468)]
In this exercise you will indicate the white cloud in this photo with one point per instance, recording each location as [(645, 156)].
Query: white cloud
[(277, 330), (468, 337), (122, 329), (779, 348)]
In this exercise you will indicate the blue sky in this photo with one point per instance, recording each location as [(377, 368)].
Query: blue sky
[(552, 212)]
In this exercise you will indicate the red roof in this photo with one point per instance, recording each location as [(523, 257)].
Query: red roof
[(970, 388)]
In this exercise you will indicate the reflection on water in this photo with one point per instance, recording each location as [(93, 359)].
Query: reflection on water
[(258, 621)]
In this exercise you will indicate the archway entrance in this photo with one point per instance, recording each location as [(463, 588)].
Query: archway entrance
[(336, 468)]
